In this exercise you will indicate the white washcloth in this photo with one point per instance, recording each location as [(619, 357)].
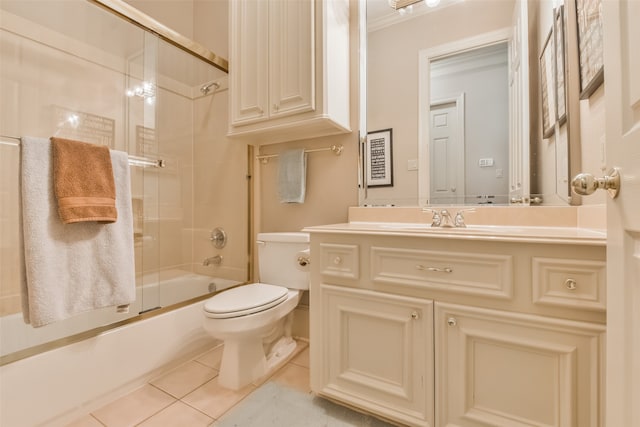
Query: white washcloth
[(72, 268), (292, 176)]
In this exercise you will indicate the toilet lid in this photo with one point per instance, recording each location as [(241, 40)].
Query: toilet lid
[(245, 300)]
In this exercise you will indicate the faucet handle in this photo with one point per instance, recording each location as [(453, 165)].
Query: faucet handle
[(436, 219), (459, 218)]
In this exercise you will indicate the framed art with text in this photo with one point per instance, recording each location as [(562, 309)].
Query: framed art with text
[(379, 159)]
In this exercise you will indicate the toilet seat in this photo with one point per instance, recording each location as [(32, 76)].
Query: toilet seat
[(245, 300)]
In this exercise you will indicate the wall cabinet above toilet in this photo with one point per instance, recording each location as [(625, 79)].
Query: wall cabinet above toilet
[(289, 70)]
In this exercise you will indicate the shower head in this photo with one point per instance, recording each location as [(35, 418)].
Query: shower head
[(206, 88)]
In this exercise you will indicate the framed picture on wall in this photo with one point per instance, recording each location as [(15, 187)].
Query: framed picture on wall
[(560, 86), (379, 158), (590, 53), (547, 83)]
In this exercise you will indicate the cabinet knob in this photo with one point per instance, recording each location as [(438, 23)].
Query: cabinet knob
[(571, 284), (415, 315), (276, 107), (451, 321), (337, 260)]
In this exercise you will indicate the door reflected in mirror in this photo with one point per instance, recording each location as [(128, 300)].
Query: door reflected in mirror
[(468, 127)]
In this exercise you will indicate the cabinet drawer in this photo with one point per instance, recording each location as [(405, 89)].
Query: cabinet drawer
[(340, 260), (569, 282), (485, 274)]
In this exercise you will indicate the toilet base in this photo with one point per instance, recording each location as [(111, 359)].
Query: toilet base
[(244, 361)]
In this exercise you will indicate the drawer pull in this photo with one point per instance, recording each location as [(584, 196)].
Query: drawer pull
[(451, 321), (571, 284), (415, 315), (436, 269), (337, 260)]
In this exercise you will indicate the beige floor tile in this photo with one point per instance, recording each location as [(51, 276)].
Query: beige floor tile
[(184, 379), (302, 359), (134, 408), (86, 421), (212, 358), (294, 376), (178, 414), (214, 400)]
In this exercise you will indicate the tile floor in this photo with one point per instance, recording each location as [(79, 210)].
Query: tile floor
[(190, 395)]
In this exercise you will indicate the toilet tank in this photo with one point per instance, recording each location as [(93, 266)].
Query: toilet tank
[(278, 259)]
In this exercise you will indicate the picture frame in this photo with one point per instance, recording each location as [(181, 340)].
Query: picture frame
[(547, 83), (559, 63), (590, 47), (379, 158)]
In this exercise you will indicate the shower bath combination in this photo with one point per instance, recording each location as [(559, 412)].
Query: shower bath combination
[(79, 83)]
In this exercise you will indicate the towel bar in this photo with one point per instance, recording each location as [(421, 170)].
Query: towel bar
[(336, 149), (133, 160)]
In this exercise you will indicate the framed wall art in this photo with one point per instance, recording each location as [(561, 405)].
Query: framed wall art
[(590, 53), (379, 158), (547, 83)]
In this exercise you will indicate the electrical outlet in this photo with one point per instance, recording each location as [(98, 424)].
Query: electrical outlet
[(485, 163)]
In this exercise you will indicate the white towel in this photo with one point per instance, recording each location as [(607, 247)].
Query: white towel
[(72, 268), (292, 176)]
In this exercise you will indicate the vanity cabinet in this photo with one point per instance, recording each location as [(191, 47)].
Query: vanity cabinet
[(289, 69), (425, 330)]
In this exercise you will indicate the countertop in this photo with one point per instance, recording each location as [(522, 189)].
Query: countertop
[(496, 233)]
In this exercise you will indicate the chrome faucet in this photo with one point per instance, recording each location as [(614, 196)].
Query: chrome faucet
[(215, 260), (447, 221), (436, 219), (458, 221), (443, 218)]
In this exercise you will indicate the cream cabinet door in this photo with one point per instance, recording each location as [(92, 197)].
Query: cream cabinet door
[(377, 353), (291, 57), (249, 56), (272, 59), (506, 369)]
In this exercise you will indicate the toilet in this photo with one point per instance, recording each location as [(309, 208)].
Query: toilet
[(254, 320)]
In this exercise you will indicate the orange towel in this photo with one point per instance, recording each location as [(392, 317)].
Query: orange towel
[(83, 182)]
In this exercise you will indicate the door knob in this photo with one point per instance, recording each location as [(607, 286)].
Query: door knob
[(585, 183)]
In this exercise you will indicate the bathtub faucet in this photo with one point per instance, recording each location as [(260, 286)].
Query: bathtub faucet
[(215, 260)]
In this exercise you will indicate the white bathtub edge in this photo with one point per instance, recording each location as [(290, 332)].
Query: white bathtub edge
[(55, 387)]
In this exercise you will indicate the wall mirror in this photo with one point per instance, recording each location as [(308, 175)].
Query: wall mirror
[(457, 84)]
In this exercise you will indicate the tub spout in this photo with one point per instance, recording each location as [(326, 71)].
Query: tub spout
[(215, 260)]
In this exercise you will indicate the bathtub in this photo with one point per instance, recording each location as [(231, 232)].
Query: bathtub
[(176, 286), (58, 386)]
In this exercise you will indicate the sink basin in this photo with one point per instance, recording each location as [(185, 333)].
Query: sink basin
[(467, 229)]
